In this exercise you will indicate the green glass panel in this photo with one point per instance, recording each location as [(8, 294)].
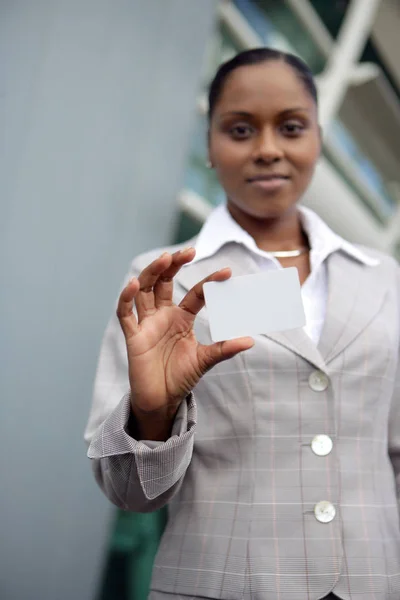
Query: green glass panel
[(331, 13), (132, 551), (187, 228)]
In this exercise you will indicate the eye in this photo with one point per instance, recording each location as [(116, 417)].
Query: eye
[(241, 131), (292, 128)]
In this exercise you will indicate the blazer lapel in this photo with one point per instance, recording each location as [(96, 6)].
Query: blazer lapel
[(298, 341), (243, 263), (231, 255), (354, 298)]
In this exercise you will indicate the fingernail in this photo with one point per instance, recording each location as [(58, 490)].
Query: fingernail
[(187, 249)]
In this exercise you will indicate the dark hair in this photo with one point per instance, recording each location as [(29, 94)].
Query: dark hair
[(254, 57)]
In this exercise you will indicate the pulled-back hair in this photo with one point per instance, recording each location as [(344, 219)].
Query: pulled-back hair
[(253, 57)]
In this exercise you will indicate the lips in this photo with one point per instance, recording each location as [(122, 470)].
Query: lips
[(268, 184), (269, 177)]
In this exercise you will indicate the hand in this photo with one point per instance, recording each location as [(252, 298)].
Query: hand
[(165, 359)]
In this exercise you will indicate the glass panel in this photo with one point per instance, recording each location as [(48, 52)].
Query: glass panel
[(331, 13), (187, 228)]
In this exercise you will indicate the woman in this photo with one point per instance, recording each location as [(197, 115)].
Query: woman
[(277, 456)]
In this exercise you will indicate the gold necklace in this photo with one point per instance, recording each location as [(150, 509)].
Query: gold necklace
[(289, 253)]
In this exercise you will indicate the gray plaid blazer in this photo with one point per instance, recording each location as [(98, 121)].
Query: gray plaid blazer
[(239, 473)]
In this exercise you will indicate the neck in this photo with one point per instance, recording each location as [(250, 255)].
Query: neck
[(283, 233)]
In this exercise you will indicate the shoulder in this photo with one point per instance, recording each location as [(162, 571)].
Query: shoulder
[(143, 260), (387, 269), (385, 260)]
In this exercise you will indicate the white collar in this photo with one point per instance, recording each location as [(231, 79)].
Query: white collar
[(220, 228)]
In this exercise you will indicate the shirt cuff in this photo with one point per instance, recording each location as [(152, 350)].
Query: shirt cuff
[(159, 464)]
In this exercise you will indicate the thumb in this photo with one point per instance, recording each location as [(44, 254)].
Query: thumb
[(211, 355)]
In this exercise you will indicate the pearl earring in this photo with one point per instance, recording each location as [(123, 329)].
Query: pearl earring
[(209, 164)]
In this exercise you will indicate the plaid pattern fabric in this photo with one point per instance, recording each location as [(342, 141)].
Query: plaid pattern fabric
[(240, 477), (162, 596)]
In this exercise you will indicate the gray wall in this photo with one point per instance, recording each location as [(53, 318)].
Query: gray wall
[(96, 102)]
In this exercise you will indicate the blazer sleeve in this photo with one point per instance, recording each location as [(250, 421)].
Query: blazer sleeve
[(135, 475), (394, 419)]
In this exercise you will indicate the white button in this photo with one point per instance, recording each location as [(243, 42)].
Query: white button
[(318, 381), (324, 512), (322, 445)]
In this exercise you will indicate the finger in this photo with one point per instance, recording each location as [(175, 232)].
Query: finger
[(164, 287), (194, 301), (144, 300), (209, 356), (125, 313)]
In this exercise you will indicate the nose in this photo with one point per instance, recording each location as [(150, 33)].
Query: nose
[(267, 149)]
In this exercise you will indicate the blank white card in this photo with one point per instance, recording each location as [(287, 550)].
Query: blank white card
[(252, 304)]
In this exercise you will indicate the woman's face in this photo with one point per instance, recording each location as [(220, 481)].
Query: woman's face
[(264, 139)]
